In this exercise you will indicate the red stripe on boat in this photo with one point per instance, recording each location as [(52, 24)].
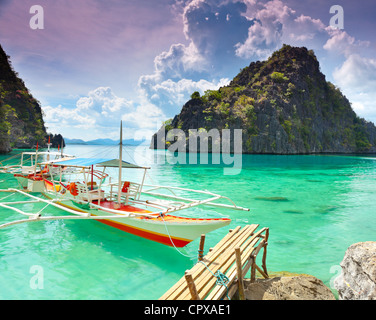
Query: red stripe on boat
[(147, 235)]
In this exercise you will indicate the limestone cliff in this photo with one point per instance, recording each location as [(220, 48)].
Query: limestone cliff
[(283, 106), (21, 119)]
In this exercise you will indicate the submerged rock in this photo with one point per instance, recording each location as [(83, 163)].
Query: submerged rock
[(357, 280), (287, 287), (293, 211), (272, 198)]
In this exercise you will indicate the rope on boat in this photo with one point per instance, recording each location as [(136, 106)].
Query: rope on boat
[(185, 255), (222, 280), (7, 196), (58, 199), (12, 157)]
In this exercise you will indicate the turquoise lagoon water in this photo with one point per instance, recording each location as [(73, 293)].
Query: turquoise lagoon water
[(315, 207)]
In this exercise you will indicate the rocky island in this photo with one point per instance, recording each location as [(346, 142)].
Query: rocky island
[(283, 106), (21, 117)]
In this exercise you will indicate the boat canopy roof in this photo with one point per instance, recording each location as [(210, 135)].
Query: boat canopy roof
[(88, 162)]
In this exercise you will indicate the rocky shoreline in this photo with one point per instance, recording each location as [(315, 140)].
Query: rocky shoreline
[(357, 280), (288, 287)]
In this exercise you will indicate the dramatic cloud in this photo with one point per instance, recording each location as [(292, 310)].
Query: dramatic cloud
[(212, 30), (275, 24), (215, 28)]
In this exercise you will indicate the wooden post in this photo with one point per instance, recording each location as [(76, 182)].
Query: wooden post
[(191, 286), (262, 272), (253, 268), (201, 248), (239, 271), (264, 254)]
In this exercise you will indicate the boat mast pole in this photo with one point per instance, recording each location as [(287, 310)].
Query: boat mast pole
[(48, 144), (36, 161), (120, 160)]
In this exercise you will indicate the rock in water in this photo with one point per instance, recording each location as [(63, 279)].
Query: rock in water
[(283, 105), (303, 287), (357, 280)]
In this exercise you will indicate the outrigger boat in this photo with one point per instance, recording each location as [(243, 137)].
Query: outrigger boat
[(136, 208), (29, 170)]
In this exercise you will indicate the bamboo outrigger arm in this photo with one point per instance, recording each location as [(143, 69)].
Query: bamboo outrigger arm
[(174, 196), (76, 214)]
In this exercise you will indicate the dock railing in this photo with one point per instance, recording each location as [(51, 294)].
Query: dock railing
[(220, 273)]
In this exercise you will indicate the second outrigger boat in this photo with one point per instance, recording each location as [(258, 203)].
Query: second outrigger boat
[(29, 170), (144, 210)]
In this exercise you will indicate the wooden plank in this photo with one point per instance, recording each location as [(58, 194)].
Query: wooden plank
[(219, 292), (245, 256), (199, 270), (180, 286), (231, 273), (176, 289), (206, 284), (221, 257)]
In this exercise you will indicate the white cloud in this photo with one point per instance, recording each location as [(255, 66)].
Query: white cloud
[(103, 101), (179, 60), (176, 93), (341, 42), (97, 114), (145, 116), (60, 116), (357, 72), (357, 80)]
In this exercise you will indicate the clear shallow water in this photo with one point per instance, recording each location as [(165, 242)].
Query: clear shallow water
[(315, 207)]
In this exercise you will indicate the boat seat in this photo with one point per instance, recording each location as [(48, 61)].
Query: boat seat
[(130, 189), (89, 195)]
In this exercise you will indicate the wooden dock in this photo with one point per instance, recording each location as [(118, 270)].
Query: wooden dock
[(219, 274)]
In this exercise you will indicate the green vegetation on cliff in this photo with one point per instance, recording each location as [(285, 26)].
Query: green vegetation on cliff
[(21, 120), (284, 106)]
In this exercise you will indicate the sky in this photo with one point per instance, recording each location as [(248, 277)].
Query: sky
[(92, 63)]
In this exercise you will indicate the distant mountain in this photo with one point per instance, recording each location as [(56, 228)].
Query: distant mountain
[(104, 142), (74, 141), (283, 106)]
